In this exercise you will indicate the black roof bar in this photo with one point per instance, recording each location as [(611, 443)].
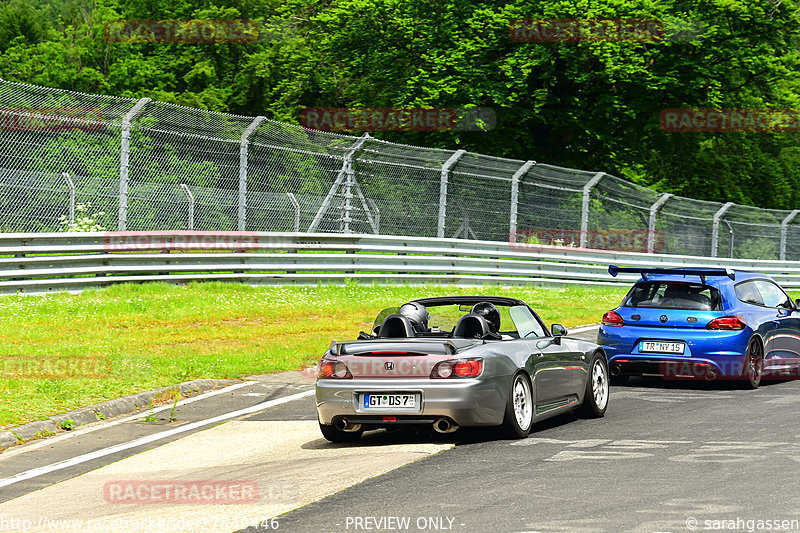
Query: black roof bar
[(689, 271)]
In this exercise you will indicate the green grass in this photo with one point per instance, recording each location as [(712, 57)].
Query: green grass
[(140, 337)]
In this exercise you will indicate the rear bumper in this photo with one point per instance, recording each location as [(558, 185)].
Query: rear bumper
[(719, 353), (467, 402)]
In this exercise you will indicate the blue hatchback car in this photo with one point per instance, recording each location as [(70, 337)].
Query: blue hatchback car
[(706, 323)]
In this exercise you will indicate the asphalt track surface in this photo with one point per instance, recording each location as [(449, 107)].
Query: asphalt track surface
[(668, 456)]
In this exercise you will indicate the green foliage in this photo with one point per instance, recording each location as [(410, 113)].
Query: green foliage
[(589, 105), (67, 425)]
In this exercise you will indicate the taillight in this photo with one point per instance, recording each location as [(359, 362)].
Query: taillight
[(333, 369), (727, 323), (461, 368), (612, 318)]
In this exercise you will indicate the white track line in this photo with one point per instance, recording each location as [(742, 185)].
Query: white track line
[(22, 476), (584, 328), (94, 426)]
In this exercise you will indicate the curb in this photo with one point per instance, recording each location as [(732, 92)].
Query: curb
[(125, 405)]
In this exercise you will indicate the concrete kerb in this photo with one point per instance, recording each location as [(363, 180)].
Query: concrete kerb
[(102, 411)]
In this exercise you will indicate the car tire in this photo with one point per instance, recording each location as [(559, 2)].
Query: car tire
[(336, 435), (595, 399), (753, 365), (518, 418)]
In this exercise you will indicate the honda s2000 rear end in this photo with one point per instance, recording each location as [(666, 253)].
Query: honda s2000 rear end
[(454, 361)]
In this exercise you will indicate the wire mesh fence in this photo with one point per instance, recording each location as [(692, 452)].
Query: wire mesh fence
[(148, 165)]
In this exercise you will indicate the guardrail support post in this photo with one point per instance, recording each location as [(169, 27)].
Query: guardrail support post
[(296, 205), (443, 190), (518, 175), (71, 186), (587, 191), (784, 230), (241, 216), (651, 227), (124, 158), (715, 227), (190, 197), (345, 174)]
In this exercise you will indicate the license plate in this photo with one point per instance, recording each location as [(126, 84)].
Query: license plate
[(662, 347), (389, 401)]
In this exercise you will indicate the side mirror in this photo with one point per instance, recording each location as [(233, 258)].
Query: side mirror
[(558, 331)]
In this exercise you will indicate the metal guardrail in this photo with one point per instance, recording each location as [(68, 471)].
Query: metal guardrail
[(34, 263)]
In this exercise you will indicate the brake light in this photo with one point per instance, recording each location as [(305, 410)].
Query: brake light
[(612, 318), (333, 370), (462, 368), (728, 323)]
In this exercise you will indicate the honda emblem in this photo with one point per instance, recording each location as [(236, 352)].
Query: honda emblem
[(388, 365)]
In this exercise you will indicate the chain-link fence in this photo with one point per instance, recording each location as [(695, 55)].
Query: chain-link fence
[(148, 165)]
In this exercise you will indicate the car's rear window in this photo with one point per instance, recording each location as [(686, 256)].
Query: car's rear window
[(674, 295)]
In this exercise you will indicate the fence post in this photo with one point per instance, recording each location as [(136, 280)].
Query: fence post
[(784, 231), (512, 222), (376, 216), (190, 197), (715, 227), (651, 228), (443, 190), (343, 175), (296, 205), (71, 186), (587, 191), (124, 156), (241, 217)]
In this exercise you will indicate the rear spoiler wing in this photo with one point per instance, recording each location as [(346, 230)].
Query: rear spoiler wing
[(702, 272), (336, 347)]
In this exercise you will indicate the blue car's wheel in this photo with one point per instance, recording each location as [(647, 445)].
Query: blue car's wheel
[(753, 364)]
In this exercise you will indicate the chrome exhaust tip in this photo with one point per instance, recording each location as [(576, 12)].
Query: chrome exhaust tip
[(711, 375), (616, 370), (344, 425), (443, 425)]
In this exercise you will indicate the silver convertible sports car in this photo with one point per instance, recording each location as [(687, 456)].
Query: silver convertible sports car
[(458, 361)]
